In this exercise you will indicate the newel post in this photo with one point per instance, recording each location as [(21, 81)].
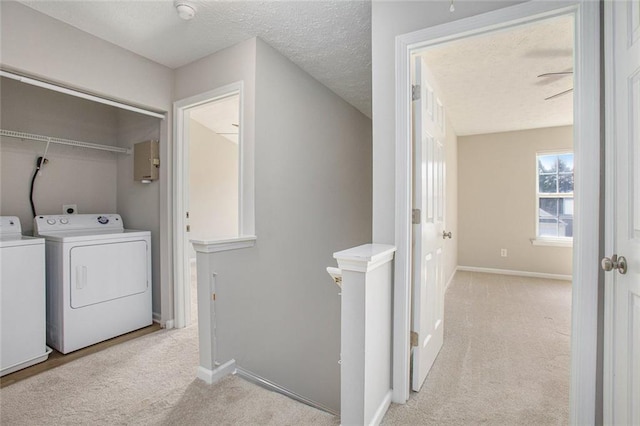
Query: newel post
[(366, 340)]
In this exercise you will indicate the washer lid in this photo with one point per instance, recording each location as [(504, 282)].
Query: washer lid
[(10, 225)]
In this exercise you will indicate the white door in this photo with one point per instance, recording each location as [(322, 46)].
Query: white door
[(623, 315), (428, 227)]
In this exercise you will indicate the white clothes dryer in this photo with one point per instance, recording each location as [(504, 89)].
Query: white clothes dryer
[(22, 298), (98, 278)]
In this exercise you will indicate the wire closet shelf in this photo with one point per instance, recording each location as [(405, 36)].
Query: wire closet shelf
[(61, 141)]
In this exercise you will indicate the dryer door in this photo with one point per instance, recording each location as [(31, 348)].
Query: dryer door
[(104, 272)]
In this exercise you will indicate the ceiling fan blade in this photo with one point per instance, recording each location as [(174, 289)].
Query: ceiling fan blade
[(559, 94), (549, 74)]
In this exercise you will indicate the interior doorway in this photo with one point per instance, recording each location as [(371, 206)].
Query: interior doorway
[(587, 145), (208, 185), (509, 149)]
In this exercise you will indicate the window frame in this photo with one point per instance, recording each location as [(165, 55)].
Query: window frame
[(556, 241)]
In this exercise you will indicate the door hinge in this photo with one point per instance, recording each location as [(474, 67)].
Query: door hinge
[(415, 92), (188, 228), (414, 339), (187, 215), (415, 216)]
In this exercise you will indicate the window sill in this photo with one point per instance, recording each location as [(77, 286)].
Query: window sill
[(214, 246), (552, 242)]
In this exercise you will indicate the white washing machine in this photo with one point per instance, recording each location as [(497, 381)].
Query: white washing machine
[(22, 298), (98, 278)]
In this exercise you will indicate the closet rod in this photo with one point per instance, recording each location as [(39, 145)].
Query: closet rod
[(40, 138)]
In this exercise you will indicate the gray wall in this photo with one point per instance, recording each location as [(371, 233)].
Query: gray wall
[(278, 311), (139, 203), (388, 20), (451, 203), (237, 63), (73, 175), (497, 177), (37, 45)]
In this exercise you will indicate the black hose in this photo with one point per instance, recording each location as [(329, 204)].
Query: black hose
[(33, 181)]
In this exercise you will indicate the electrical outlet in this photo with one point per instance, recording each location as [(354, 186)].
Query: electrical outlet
[(503, 252), (69, 209)]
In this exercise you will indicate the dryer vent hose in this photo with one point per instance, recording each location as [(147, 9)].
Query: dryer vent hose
[(39, 163)]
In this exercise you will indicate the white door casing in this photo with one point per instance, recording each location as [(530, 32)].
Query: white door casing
[(428, 228), (587, 103), (622, 291), (181, 243)]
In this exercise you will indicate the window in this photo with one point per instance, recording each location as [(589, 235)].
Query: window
[(555, 196)]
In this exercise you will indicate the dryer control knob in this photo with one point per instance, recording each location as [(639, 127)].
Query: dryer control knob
[(103, 220), (64, 221), (51, 221)]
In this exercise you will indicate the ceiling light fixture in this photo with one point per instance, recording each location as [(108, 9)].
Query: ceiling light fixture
[(185, 10)]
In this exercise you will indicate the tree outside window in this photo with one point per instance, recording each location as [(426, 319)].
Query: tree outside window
[(555, 195)]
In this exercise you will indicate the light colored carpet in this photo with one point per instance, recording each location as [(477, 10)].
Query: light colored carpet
[(505, 361), (506, 356), (147, 381)]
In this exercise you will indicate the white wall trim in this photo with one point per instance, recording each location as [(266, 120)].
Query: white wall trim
[(515, 273), (157, 318), (364, 258), (78, 94), (220, 372), (182, 291), (610, 230), (551, 242), (382, 409), (450, 280), (586, 242), (261, 381), (216, 246), (587, 137)]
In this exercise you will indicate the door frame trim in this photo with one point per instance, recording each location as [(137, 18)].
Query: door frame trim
[(584, 336), (181, 291)]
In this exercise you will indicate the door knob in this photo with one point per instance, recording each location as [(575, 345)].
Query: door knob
[(615, 262), (446, 235)]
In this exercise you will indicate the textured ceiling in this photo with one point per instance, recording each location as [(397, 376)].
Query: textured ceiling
[(489, 83), (331, 40)]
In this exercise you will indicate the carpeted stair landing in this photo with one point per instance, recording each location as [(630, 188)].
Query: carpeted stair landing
[(147, 381)]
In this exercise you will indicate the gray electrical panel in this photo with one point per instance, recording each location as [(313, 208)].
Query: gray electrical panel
[(146, 161)]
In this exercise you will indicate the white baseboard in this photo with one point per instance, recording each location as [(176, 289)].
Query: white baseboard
[(453, 274), (212, 376), (168, 324), (382, 409), (254, 378), (515, 273)]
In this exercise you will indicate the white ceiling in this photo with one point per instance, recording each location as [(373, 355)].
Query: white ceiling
[(331, 40), (488, 83)]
